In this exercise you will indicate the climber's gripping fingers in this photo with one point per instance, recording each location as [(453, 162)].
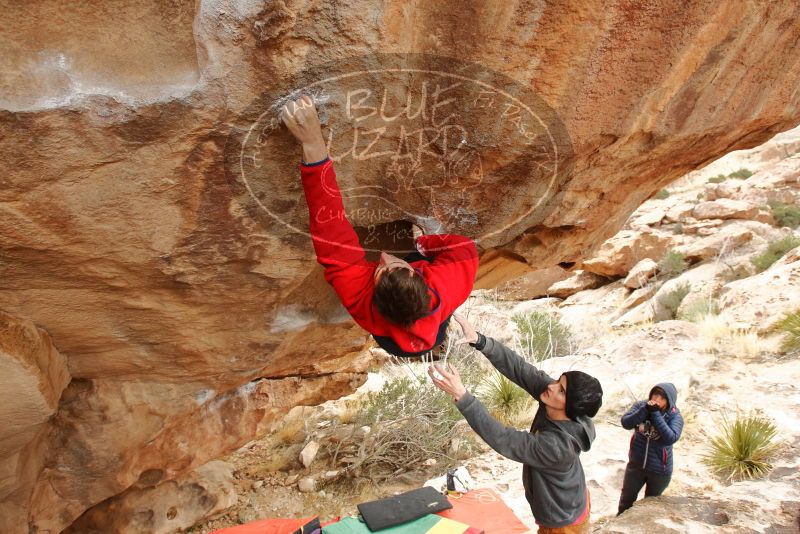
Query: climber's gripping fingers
[(300, 117)]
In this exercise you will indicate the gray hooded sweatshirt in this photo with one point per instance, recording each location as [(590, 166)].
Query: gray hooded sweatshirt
[(552, 474)]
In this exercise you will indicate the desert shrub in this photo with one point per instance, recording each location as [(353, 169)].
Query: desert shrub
[(790, 327), (677, 229), (717, 179), (505, 400), (697, 309), (672, 264), (661, 195), (411, 421), (775, 251), (542, 335), (786, 214), (744, 447), (671, 300), (714, 331), (741, 174)]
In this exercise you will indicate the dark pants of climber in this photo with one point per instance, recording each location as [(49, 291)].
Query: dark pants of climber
[(635, 478), (389, 345)]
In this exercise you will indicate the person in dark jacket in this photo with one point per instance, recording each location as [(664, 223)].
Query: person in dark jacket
[(552, 474), (657, 424)]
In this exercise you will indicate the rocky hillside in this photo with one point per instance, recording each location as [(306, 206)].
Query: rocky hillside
[(717, 344), (161, 303)]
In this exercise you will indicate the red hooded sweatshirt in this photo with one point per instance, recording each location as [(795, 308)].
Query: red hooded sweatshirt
[(450, 275)]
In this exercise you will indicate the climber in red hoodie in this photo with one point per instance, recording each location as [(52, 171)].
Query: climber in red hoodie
[(405, 306)]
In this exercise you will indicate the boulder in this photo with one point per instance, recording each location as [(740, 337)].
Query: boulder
[(308, 453), (725, 208), (679, 212), (579, 281), (618, 255), (641, 273), (307, 485), (172, 506), (153, 222), (762, 300), (719, 242), (33, 376), (533, 284), (727, 189)]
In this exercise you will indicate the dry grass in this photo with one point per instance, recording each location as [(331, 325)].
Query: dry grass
[(745, 343), (714, 330), (718, 337), (292, 431), (350, 410)]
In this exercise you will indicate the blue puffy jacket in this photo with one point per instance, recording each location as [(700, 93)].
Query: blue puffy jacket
[(655, 432)]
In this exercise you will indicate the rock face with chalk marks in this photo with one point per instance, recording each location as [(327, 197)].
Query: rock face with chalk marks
[(153, 225)]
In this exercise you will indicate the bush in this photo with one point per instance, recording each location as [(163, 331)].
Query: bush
[(744, 449), (542, 335), (677, 229), (504, 399), (411, 421), (790, 327), (717, 179), (671, 300), (775, 251), (696, 310), (672, 264), (741, 174), (786, 214), (661, 195)]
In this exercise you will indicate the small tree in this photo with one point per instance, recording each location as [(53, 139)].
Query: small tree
[(543, 335)]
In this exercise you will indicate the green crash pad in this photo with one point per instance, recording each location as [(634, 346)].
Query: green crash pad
[(351, 525)]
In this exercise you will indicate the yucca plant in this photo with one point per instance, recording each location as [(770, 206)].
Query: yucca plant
[(543, 335), (505, 399), (745, 447), (790, 326)]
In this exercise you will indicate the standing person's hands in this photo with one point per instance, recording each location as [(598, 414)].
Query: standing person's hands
[(468, 332), (300, 117), (652, 406), (448, 381)]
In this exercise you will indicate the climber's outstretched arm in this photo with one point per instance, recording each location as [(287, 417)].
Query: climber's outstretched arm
[(335, 242)]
